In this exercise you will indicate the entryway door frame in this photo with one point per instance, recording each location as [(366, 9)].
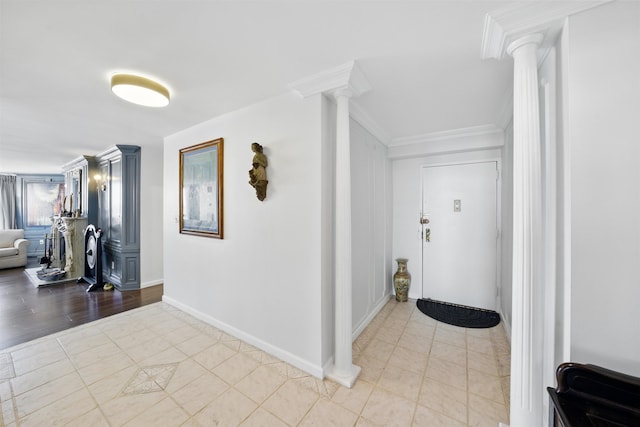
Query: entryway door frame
[(498, 162)]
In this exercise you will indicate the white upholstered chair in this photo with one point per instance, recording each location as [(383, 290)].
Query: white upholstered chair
[(13, 248)]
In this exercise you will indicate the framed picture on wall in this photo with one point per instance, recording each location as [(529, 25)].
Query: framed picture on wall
[(201, 189), (42, 201)]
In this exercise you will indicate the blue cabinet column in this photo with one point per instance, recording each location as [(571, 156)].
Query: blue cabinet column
[(119, 214)]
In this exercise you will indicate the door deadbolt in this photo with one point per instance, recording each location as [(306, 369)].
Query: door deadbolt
[(427, 235)]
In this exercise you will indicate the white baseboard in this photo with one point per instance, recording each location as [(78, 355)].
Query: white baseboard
[(285, 356), (365, 322), (151, 283)]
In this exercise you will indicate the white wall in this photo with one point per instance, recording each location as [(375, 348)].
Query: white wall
[(370, 173), (506, 235), (151, 242), (407, 197), (263, 281), (563, 203), (602, 124)]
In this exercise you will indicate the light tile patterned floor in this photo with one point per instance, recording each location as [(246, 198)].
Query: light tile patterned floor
[(157, 366)]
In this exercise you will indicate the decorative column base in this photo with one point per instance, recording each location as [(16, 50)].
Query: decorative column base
[(346, 379)]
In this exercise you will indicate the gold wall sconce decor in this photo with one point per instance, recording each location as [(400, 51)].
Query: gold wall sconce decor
[(100, 182), (258, 172)]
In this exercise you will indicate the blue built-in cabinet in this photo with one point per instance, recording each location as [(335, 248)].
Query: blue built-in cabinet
[(104, 190), (79, 181), (118, 181)]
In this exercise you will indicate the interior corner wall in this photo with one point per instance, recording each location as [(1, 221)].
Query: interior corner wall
[(370, 216), (407, 204), (262, 282), (506, 235), (602, 124), (563, 204), (151, 242)]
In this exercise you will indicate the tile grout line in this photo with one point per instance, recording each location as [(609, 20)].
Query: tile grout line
[(399, 315), (374, 386), (98, 406)]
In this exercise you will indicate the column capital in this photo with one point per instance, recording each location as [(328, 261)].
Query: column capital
[(346, 76), (343, 92), (532, 39), (517, 19)]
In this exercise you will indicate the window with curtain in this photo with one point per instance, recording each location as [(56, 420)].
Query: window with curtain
[(7, 202)]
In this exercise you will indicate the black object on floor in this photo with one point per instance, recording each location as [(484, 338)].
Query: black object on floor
[(458, 315)]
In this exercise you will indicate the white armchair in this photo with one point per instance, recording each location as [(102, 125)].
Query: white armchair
[(13, 248)]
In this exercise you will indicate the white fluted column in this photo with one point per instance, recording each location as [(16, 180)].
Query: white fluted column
[(344, 372), (342, 83), (527, 307)]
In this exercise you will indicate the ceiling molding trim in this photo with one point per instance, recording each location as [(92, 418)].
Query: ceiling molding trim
[(446, 135), (480, 143), (72, 163), (358, 114), (510, 22), (346, 76)]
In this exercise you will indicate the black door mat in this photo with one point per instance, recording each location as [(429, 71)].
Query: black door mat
[(458, 315)]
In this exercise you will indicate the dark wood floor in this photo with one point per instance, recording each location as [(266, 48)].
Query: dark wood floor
[(27, 312)]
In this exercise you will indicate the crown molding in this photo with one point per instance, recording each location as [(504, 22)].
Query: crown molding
[(346, 76), (358, 114), (445, 135), (475, 139), (515, 20)]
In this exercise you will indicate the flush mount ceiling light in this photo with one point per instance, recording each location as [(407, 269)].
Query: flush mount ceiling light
[(140, 90)]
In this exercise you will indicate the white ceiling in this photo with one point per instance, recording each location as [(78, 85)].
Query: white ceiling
[(422, 59)]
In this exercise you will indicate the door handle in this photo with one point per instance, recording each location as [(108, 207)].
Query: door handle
[(427, 235)]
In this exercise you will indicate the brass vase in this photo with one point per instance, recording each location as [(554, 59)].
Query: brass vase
[(402, 280)]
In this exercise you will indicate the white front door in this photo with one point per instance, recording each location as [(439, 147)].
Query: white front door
[(459, 254)]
